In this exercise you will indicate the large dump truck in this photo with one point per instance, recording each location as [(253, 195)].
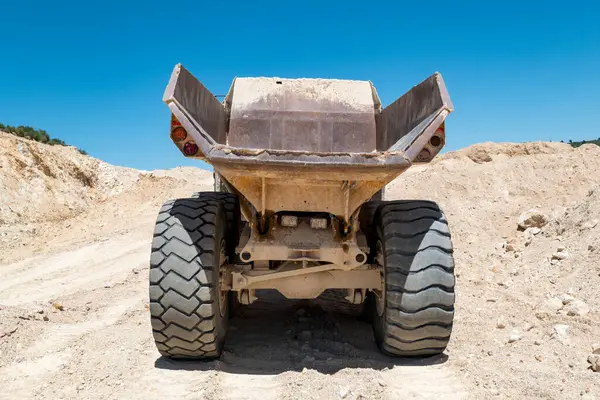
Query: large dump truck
[(300, 168)]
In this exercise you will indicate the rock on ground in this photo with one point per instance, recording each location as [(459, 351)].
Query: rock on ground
[(532, 219), (594, 360), (560, 255), (551, 305), (514, 337), (561, 333), (577, 308)]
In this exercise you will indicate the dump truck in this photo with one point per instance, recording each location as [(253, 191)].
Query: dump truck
[(300, 168)]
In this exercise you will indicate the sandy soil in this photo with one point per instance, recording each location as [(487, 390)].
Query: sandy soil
[(74, 319)]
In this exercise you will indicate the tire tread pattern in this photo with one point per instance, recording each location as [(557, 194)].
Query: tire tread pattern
[(419, 269), (184, 278), (232, 210)]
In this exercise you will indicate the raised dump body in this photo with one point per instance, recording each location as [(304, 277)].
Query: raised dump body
[(304, 161), (290, 144)]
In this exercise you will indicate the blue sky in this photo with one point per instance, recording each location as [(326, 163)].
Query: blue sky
[(93, 73)]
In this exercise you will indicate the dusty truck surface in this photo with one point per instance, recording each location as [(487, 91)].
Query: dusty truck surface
[(300, 168)]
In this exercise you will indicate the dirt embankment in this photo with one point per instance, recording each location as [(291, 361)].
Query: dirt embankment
[(540, 290), (73, 297), (40, 182), (44, 189)]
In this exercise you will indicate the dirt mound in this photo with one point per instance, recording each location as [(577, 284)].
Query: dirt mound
[(493, 194), (44, 190), (584, 217), (41, 182), (526, 300), (486, 152)]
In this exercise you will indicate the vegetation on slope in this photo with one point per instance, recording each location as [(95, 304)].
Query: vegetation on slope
[(577, 144), (39, 135)]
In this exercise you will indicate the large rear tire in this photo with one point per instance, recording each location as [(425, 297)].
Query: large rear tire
[(231, 204), (413, 315), (189, 312)]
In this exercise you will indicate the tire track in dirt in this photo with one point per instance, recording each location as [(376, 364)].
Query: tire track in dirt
[(43, 277), (101, 345)]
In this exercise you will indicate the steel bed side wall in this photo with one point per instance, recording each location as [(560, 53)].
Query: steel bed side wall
[(197, 103)]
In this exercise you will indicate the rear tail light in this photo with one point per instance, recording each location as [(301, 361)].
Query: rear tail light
[(424, 156), (437, 140), (190, 148), (179, 134)]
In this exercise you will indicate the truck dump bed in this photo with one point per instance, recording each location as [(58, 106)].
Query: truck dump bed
[(311, 115), (320, 145)]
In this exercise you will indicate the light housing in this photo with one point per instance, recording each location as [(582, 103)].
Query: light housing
[(179, 134), (190, 148)]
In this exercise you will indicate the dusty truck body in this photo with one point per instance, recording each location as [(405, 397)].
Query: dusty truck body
[(300, 166)]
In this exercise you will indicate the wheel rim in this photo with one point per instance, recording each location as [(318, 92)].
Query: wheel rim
[(380, 294), (222, 293)]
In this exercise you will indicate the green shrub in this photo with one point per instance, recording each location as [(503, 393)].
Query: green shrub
[(54, 141), (39, 135), (577, 144)]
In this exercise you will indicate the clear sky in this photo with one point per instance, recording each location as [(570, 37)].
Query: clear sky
[(93, 72)]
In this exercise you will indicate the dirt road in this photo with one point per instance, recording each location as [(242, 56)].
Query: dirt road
[(99, 345), (74, 321)]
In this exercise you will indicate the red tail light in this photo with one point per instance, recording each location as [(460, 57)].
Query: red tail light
[(190, 148)]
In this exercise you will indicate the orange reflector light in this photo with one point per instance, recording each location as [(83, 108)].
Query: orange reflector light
[(179, 134), (174, 121), (190, 148), (441, 129)]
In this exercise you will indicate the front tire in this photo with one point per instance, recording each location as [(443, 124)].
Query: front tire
[(189, 312), (413, 315)]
